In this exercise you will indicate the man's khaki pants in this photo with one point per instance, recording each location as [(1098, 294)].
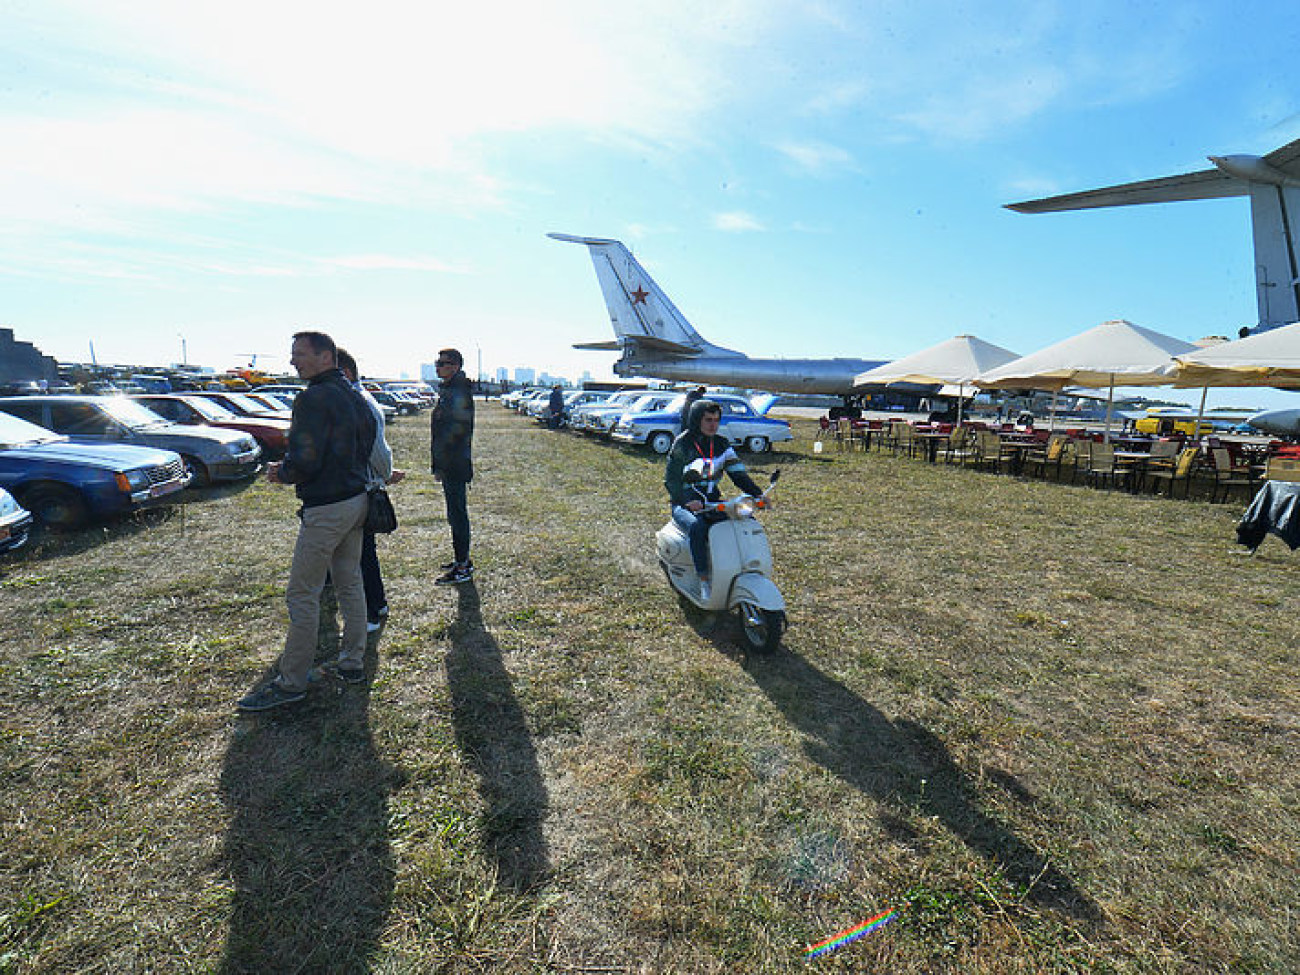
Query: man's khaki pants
[(329, 542)]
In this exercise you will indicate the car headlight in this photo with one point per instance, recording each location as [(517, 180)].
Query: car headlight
[(7, 505), (241, 446), (131, 481)]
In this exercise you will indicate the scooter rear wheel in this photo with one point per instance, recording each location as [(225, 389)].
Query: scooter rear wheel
[(762, 627)]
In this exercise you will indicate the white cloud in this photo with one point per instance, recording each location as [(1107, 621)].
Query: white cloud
[(737, 221), (817, 158)]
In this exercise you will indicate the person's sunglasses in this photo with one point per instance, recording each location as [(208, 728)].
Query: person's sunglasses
[(443, 362)]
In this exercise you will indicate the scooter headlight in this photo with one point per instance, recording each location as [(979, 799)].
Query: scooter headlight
[(744, 508)]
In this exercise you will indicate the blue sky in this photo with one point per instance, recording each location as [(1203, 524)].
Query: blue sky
[(803, 178)]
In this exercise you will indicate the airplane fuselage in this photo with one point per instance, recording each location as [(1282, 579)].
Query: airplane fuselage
[(824, 376)]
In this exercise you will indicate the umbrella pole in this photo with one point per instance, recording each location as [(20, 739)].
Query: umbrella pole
[(1051, 413), (961, 389), (1200, 412), (1110, 399)]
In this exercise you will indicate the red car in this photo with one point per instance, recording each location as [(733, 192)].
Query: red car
[(271, 434)]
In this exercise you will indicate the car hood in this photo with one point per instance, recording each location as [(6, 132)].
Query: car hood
[(112, 457), (176, 436)]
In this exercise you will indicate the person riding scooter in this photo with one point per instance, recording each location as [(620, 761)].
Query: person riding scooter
[(698, 459)]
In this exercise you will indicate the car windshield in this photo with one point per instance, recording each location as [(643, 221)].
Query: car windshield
[(269, 400), (129, 413), (19, 433), (247, 403), (209, 409)]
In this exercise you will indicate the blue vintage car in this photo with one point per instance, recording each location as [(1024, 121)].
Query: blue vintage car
[(744, 423), (64, 484)]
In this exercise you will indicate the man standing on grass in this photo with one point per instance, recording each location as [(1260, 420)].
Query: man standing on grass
[(451, 437), (327, 462), (382, 472)]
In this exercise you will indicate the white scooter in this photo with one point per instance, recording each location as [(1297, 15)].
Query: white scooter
[(741, 562)]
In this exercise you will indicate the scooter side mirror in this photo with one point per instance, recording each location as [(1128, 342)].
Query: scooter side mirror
[(772, 480)]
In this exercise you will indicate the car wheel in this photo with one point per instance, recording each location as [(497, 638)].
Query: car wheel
[(198, 472), (660, 442), (55, 506), (762, 627), (757, 445)]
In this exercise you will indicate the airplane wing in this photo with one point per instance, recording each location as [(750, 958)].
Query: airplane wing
[(1203, 185), (641, 342), (1287, 159)]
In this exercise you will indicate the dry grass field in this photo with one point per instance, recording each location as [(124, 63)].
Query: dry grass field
[(1055, 727)]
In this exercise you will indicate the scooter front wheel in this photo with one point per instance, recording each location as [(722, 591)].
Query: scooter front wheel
[(762, 627)]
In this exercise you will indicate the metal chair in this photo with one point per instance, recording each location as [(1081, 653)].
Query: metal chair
[(1183, 470)]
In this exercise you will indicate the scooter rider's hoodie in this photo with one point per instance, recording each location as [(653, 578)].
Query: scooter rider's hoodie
[(692, 445)]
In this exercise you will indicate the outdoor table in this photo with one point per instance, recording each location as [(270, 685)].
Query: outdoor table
[(931, 440), (1018, 444), (1136, 461)]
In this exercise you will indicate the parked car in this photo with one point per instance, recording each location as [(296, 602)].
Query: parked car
[(524, 402), (210, 454), (573, 399), (271, 434), (284, 389), (63, 484), (742, 424), (401, 405), (239, 404), (600, 420), (15, 522), (580, 416)]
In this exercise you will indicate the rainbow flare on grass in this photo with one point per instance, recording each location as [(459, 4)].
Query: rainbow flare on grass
[(850, 934)]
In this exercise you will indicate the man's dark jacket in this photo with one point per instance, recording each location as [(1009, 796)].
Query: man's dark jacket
[(330, 437), (451, 430)]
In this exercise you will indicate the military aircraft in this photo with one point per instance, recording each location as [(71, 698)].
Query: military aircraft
[(656, 340), (1277, 423), (1273, 184)]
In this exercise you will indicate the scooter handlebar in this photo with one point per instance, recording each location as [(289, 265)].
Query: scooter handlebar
[(739, 507)]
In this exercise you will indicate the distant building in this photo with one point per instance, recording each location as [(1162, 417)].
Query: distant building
[(22, 362), (525, 376), (503, 374), (428, 372)]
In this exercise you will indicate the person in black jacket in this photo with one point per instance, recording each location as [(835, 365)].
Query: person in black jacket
[(327, 462), (451, 438)]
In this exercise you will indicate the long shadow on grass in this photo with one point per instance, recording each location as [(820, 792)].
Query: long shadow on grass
[(307, 847), (901, 760), (492, 732)]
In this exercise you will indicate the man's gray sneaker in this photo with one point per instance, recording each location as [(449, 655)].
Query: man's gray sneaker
[(270, 696)]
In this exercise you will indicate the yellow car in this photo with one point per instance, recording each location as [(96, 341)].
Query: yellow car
[(1164, 424)]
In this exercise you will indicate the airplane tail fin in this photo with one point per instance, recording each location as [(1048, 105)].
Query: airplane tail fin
[(642, 315)]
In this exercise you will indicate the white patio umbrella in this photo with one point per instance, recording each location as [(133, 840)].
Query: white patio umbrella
[(1115, 353), (1269, 358), (953, 362)]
